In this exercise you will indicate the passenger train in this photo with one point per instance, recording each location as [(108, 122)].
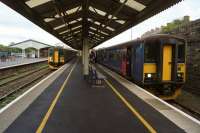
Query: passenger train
[(157, 63), (58, 56)]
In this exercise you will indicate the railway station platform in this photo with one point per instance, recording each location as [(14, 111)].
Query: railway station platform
[(20, 61), (65, 102)]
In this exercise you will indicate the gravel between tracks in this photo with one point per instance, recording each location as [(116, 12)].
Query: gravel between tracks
[(13, 88)]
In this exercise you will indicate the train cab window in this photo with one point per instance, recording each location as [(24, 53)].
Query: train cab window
[(181, 53), (150, 52), (61, 51), (50, 52)]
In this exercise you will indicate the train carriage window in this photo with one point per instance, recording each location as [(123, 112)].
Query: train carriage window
[(150, 51), (181, 53)]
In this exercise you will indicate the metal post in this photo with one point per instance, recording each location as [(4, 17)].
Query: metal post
[(82, 53), (85, 57)]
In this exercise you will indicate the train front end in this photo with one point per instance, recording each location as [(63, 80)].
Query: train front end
[(164, 68), (55, 57)]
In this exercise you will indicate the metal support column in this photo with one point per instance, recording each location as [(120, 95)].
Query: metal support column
[(82, 53), (85, 57)]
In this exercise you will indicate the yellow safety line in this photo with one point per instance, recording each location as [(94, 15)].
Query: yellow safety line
[(45, 119), (144, 122)]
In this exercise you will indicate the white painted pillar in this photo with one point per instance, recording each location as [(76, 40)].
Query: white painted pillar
[(38, 53), (85, 57), (23, 53)]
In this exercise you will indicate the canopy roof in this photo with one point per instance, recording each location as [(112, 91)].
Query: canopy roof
[(30, 44), (98, 20)]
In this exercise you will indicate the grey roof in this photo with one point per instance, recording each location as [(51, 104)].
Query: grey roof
[(32, 41)]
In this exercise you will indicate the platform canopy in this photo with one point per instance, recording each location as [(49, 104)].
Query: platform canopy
[(97, 20)]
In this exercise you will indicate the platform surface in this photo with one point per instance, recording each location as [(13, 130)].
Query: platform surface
[(82, 108), (20, 61)]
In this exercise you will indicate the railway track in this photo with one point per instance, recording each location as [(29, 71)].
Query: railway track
[(185, 109), (8, 72), (12, 85)]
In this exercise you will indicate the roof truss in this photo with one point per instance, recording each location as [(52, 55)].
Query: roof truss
[(98, 20)]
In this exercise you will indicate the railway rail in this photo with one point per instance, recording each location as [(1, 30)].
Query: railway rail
[(20, 79), (185, 109), (21, 82)]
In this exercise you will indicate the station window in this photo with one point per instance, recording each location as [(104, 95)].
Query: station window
[(150, 52), (181, 53)]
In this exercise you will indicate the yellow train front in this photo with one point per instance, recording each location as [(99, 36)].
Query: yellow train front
[(164, 68), (156, 63), (58, 56)]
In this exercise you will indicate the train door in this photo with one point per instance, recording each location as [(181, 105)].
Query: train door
[(56, 56), (129, 62), (167, 63), (124, 62)]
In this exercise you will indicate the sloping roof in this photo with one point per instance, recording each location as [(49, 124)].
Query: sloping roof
[(98, 20), (30, 43)]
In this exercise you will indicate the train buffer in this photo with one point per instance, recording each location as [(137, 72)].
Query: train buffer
[(95, 77)]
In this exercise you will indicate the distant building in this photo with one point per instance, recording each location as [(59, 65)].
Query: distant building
[(32, 49)]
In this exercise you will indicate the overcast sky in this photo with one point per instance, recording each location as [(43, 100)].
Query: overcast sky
[(16, 28)]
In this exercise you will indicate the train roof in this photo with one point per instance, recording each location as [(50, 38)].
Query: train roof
[(162, 36), (166, 37), (59, 47)]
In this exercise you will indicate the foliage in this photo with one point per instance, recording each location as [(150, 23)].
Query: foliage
[(176, 23), (9, 49), (28, 50)]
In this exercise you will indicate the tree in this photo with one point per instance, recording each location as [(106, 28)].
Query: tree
[(9, 49), (176, 23)]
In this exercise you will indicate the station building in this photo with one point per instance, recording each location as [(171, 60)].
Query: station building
[(32, 48)]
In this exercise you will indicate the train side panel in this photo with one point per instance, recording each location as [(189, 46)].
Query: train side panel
[(156, 63), (138, 65)]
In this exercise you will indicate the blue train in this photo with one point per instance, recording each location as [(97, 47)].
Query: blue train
[(157, 63)]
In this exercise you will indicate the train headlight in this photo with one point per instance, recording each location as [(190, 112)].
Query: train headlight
[(50, 59), (180, 76), (62, 59), (149, 75)]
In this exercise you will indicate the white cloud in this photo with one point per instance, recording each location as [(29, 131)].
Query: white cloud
[(15, 28)]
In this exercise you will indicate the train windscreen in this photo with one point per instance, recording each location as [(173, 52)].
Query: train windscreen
[(181, 53), (150, 52), (50, 52)]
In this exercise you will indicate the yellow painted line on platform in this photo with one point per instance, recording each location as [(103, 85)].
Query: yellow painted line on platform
[(45, 119), (132, 109)]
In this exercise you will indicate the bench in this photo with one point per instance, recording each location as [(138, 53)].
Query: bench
[(95, 77)]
